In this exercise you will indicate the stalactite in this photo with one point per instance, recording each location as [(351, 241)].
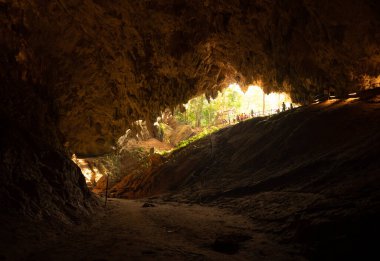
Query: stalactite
[(149, 57)]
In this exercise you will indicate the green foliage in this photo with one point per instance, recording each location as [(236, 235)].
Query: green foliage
[(200, 112), (165, 152), (114, 164), (111, 164), (205, 132)]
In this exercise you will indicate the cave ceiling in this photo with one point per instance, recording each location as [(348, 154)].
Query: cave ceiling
[(105, 64)]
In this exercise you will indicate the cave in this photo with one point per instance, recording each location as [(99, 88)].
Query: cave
[(302, 184)]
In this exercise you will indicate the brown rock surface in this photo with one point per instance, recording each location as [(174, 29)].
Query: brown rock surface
[(146, 145), (74, 74), (38, 180), (168, 131), (314, 186), (180, 133), (106, 64)]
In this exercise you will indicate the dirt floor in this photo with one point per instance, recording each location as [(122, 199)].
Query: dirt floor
[(307, 178), (303, 184), (141, 230)]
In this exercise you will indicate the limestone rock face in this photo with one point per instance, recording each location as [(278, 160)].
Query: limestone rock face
[(38, 180), (182, 132), (37, 177), (75, 73), (168, 132), (104, 64)]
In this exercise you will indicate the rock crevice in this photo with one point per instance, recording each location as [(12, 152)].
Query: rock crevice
[(74, 74)]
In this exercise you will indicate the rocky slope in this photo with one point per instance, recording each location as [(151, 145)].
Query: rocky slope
[(296, 192), (309, 176), (135, 154), (74, 74)]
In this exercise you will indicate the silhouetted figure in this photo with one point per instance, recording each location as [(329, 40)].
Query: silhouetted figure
[(291, 106), (283, 106), (251, 113)]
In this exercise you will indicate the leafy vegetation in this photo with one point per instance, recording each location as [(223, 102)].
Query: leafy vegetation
[(231, 101), (203, 113), (203, 133)]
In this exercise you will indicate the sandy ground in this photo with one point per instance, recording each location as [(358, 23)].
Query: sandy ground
[(304, 183), (167, 231), (307, 178)]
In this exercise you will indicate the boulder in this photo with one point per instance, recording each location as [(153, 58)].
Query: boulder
[(167, 131), (182, 132)]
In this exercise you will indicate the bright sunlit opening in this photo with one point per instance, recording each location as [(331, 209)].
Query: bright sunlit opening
[(254, 100), (234, 104), (91, 173), (236, 88)]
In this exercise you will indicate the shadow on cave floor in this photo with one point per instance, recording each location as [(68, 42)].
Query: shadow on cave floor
[(132, 230), (308, 179), (303, 185)]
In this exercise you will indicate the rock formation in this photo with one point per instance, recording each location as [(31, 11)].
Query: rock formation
[(308, 176), (74, 74), (104, 64)]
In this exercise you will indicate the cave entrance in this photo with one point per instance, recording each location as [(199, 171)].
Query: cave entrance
[(232, 105), (138, 151)]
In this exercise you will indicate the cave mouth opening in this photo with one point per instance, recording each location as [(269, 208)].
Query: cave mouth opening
[(138, 151), (232, 105)]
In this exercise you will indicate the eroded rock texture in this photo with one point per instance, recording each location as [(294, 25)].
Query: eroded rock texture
[(308, 176), (105, 63), (75, 73), (39, 181), (37, 177)]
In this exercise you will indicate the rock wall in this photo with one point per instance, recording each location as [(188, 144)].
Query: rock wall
[(39, 181), (77, 72), (308, 176), (37, 177), (110, 63)]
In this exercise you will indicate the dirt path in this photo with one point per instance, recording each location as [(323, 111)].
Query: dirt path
[(128, 231)]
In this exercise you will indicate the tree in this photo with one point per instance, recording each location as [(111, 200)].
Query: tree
[(201, 113)]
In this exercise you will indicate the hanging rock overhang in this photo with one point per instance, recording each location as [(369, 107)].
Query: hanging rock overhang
[(104, 64)]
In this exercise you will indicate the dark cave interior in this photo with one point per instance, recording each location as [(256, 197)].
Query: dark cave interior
[(74, 75)]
